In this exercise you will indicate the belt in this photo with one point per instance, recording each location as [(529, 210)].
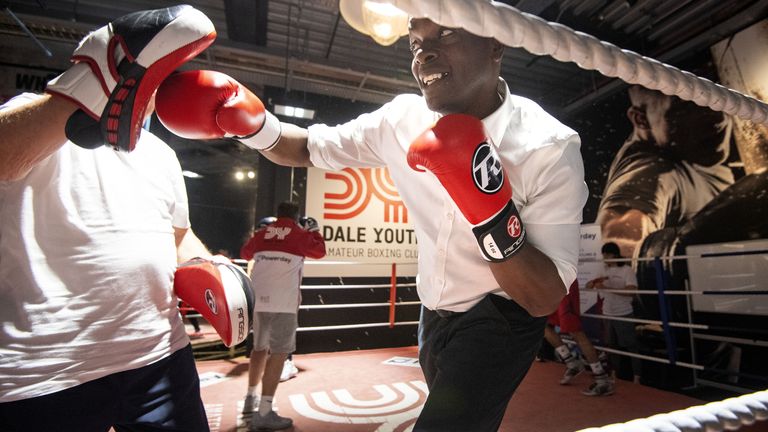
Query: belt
[(442, 313)]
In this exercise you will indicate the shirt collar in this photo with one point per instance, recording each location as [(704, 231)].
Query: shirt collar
[(497, 122)]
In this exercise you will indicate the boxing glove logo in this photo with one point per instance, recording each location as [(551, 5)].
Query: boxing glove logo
[(210, 300), (486, 169), (514, 227)]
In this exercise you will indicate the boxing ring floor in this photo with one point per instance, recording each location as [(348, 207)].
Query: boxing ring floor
[(383, 390)]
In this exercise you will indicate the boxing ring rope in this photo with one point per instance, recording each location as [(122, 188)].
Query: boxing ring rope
[(537, 36), (391, 304), (728, 414)]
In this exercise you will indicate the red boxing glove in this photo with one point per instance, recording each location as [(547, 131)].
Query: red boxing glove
[(221, 292), (206, 104), (462, 157)]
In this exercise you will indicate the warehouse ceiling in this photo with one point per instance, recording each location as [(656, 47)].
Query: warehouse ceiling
[(306, 46)]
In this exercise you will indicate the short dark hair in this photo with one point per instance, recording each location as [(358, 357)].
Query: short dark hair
[(611, 248), (288, 209)]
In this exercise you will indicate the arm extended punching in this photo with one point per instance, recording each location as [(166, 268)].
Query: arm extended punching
[(204, 104)]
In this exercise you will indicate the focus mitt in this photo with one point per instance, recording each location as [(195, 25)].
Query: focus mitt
[(117, 68), (221, 292)]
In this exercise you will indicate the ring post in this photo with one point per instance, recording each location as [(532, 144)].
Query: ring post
[(392, 296)]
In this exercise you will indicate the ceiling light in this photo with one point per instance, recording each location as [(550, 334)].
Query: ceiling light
[(239, 175), (380, 20), (290, 111), (251, 175), (190, 174)]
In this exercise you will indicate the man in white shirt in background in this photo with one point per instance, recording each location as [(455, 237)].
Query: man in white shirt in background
[(621, 334)]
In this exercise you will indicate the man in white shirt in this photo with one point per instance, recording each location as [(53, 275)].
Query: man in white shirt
[(620, 334), (497, 216), (90, 238)]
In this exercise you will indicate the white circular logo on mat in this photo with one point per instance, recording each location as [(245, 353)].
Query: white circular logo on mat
[(210, 300), (486, 169)]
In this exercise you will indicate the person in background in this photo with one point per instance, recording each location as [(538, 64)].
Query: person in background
[(567, 319), (186, 311), (277, 252), (619, 334), (246, 252)]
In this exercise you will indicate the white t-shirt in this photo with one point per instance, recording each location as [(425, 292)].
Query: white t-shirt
[(619, 277), (540, 155), (87, 257)]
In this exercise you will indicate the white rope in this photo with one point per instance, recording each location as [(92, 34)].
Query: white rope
[(354, 326), (728, 414), (521, 30)]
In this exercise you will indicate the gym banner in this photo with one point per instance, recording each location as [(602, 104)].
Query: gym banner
[(666, 175), (590, 263), (361, 215), (16, 79)]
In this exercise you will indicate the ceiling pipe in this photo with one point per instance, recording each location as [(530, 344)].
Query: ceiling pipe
[(333, 35), (24, 28), (638, 9)]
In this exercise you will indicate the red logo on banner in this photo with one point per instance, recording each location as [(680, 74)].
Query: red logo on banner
[(360, 185)]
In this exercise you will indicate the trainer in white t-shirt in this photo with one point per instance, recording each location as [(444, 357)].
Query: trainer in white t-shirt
[(87, 257)]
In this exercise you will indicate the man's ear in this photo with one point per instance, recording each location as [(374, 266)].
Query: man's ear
[(638, 118)]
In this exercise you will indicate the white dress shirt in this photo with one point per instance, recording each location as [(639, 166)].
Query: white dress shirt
[(543, 163)]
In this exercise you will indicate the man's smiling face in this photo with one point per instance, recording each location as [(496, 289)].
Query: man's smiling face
[(457, 71)]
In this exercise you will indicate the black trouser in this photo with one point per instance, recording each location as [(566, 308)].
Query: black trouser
[(163, 396), (473, 362)]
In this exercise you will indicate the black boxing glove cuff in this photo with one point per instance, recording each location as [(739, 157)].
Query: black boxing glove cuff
[(502, 236)]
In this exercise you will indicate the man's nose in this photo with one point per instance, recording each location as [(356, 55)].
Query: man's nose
[(426, 55)]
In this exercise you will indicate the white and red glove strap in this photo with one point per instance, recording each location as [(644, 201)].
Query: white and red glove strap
[(221, 292), (265, 138), (502, 236)]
